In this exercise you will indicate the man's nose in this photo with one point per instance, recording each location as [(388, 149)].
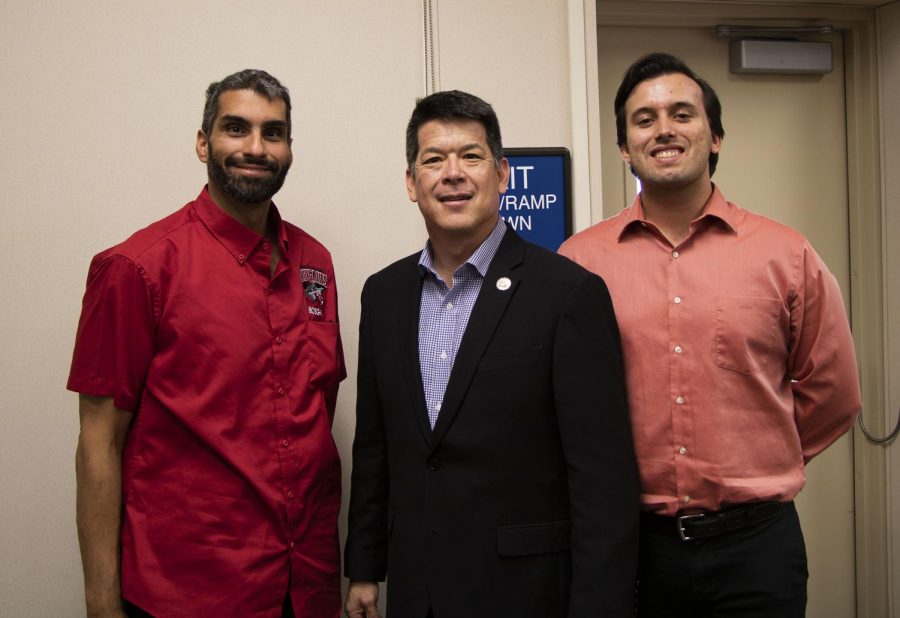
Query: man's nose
[(452, 169), (254, 145), (664, 128)]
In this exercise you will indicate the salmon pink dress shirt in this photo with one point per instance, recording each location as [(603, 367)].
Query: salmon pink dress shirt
[(231, 479), (739, 360)]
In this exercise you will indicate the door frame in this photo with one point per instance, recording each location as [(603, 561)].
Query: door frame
[(867, 313)]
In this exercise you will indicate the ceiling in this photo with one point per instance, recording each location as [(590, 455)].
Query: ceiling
[(872, 3)]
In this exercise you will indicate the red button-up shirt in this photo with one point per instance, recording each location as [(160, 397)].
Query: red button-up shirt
[(739, 360), (231, 478)]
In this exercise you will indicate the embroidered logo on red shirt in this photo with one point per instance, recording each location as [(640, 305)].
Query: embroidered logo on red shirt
[(315, 282)]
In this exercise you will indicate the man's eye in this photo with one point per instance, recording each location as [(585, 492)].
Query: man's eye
[(432, 161), (644, 122), (471, 156), (274, 133), (234, 129)]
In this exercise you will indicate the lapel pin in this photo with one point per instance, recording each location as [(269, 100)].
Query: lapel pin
[(503, 283)]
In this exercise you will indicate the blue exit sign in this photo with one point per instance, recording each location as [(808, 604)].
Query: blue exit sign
[(537, 203)]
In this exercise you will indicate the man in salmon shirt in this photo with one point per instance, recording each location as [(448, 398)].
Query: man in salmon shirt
[(207, 360), (739, 361)]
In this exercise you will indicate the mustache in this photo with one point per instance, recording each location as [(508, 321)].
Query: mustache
[(250, 160)]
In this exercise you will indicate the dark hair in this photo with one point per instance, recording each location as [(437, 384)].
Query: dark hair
[(256, 80), (453, 105), (652, 66)]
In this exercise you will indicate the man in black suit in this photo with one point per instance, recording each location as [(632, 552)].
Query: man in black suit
[(493, 467)]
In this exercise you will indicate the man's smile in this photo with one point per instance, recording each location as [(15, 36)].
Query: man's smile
[(452, 199), (667, 152)]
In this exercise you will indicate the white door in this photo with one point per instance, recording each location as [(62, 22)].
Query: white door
[(784, 156)]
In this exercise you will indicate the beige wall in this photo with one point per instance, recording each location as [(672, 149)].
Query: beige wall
[(515, 55), (99, 105), (889, 52)]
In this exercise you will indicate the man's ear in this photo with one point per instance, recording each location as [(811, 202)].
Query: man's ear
[(503, 174), (202, 146), (411, 186), (623, 152)]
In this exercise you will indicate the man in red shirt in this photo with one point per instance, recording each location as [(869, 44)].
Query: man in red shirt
[(739, 360), (207, 359)]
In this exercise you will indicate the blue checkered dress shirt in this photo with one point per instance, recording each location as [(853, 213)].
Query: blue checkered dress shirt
[(444, 313)]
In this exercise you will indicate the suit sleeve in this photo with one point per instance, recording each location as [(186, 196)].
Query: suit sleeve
[(365, 554), (821, 362), (589, 385)]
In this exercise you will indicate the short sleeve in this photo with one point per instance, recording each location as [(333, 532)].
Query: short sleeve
[(115, 340)]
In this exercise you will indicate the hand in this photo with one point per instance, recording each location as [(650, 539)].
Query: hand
[(362, 600)]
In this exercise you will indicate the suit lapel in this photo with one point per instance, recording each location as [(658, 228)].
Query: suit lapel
[(486, 314), (408, 328)]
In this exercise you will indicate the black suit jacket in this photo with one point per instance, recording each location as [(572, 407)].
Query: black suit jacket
[(523, 500)]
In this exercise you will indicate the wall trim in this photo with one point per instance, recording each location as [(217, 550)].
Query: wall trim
[(431, 59), (583, 97)]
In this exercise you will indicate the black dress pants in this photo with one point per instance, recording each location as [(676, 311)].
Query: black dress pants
[(754, 572), (133, 611)]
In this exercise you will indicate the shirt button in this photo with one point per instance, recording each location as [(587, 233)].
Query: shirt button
[(449, 305), (682, 451), (266, 246), (290, 494), (438, 406), (679, 400), (685, 499), (677, 300), (291, 545), (675, 254), (678, 349), (281, 390), (279, 340), (241, 257), (284, 443), (444, 355)]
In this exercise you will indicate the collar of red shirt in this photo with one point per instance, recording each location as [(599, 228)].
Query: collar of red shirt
[(715, 210), (238, 239)]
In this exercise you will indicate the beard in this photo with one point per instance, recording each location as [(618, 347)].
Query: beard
[(241, 188)]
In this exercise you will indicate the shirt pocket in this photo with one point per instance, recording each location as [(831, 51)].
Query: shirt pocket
[(323, 352), (746, 328)]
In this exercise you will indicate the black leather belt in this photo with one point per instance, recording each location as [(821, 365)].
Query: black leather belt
[(692, 526)]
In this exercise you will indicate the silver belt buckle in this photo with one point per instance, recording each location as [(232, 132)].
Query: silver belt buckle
[(680, 521)]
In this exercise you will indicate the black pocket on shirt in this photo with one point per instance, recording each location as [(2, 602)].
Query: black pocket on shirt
[(493, 361)]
